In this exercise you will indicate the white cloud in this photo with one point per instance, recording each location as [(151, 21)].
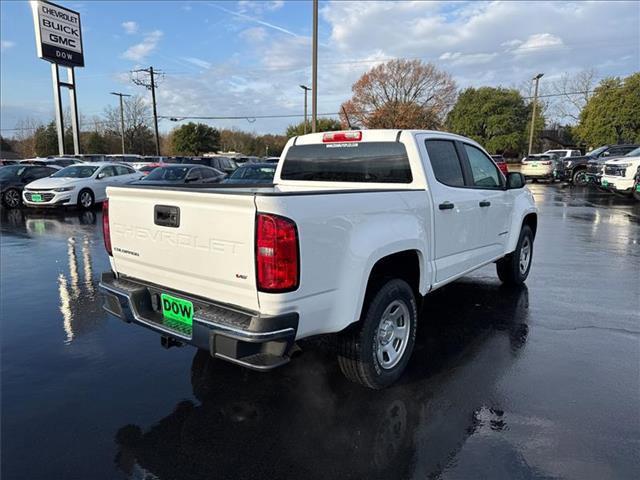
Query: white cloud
[(6, 45), (141, 50), (130, 27), (254, 35), (539, 41), (198, 62), (259, 7)]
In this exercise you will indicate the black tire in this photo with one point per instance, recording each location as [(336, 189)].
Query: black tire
[(361, 347), (509, 268), (86, 205), (580, 177), (11, 198), (636, 193)]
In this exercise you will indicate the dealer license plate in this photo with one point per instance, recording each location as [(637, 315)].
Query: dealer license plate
[(177, 314), (36, 197)]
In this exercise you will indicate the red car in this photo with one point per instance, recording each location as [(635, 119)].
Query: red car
[(502, 164)]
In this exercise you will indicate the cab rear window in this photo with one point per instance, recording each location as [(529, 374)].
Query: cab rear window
[(370, 162)]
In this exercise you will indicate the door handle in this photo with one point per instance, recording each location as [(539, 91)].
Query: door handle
[(446, 206), (485, 203)]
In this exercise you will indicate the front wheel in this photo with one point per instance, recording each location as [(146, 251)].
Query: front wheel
[(514, 268), (375, 352), (11, 198), (580, 178), (86, 199)]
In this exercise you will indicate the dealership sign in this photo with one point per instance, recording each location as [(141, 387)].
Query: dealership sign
[(58, 34)]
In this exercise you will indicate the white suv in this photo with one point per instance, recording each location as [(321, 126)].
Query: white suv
[(619, 173)]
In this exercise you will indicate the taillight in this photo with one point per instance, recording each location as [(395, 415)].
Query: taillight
[(354, 136), (106, 231), (546, 163), (277, 253)]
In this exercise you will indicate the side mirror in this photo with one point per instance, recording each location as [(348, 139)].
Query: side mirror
[(190, 179), (101, 175), (515, 180)]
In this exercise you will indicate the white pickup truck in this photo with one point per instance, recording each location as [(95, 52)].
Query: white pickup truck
[(356, 228)]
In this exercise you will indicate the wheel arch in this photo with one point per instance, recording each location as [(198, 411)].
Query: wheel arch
[(404, 264)]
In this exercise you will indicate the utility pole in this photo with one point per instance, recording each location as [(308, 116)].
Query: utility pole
[(118, 94), (314, 79), (306, 90), (150, 86), (533, 110)]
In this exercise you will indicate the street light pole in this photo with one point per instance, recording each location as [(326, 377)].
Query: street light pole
[(118, 94), (533, 110), (306, 89), (314, 79)]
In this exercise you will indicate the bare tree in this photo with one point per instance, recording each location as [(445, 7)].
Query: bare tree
[(571, 93), (25, 137), (401, 94)]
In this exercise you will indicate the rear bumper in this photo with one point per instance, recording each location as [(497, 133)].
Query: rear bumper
[(246, 338)]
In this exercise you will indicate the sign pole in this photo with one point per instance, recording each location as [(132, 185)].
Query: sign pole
[(73, 102), (55, 76)]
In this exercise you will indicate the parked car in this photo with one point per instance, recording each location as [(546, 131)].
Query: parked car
[(13, 178), (241, 160), (91, 157), (253, 173), (502, 164), (224, 164), (564, 153), (636, 185), (619, 174), (271, 159), (83, 185), (541, 166), (574, 169), (357, 227), (183, 174), (150, 167), (595, 167), (135, 161), (4, 162), (54, 162)]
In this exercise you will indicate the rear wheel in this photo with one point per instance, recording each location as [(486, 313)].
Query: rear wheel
[(376, 351), (86, 199), (580, 178), (514, 268), (11, 198)]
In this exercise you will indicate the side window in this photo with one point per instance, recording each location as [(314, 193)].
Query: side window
[(484, 172), (207, 173), (445, 162), (122, 170), (194, 174), (575, 153), (42, 172), (108, 172)]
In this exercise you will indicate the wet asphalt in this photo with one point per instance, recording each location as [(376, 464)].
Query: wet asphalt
[(537, 382)]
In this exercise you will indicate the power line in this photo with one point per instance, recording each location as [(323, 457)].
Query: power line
[(151, 85)]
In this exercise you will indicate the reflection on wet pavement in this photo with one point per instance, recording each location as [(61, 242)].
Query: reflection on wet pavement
[(537, 382)]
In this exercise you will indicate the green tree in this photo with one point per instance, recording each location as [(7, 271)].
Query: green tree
[(497, 118), (322, 125), (95, 143), (195, 139), (612, 114), (46, 140)]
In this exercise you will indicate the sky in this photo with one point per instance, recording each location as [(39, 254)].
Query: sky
[(246, 59)]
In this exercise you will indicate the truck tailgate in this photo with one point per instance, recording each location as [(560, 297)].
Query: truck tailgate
[(210, 253)]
